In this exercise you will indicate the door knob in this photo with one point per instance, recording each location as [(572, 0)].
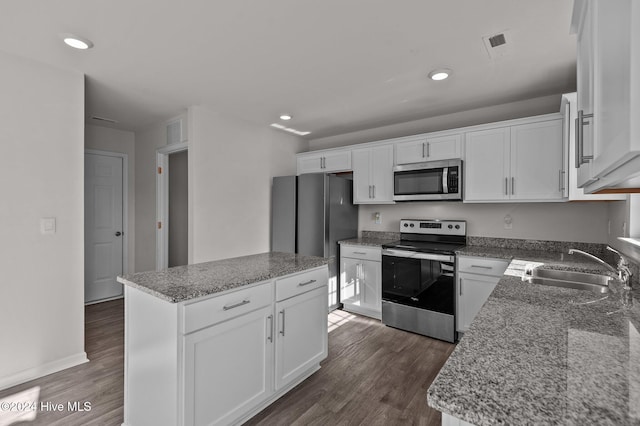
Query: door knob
[(118, 233)]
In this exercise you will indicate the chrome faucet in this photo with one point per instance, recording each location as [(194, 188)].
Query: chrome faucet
[(622, 271)]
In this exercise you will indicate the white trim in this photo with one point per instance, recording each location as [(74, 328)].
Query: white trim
[(162, 201), (43, 370), (125, 206), (108, 299)]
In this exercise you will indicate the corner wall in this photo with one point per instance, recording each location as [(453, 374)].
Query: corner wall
[(113, 140), (41, 176), (232, 163)]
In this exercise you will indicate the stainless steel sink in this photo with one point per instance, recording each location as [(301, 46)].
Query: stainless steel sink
[(569, 279)]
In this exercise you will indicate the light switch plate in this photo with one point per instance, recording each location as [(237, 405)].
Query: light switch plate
[(48, 225)]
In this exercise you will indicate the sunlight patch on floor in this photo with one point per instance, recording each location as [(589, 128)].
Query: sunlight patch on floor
[(337, 318), (19, 407)]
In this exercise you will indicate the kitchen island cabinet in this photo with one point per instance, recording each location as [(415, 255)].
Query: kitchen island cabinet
[(215, 343)]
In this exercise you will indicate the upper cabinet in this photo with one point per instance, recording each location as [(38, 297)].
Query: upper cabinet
[(608, 103), (569, 110), (424, 148), (521, 162), (324, 162), (373, 175)]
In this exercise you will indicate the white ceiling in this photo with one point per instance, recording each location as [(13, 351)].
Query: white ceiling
[(336, 65)]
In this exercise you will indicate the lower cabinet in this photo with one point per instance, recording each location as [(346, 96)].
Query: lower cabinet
[(476, 279), (228, 368), (361, 280), (300, 343), (220, 360)]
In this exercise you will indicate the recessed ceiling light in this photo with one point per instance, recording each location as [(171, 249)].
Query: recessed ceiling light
[(77, 42), (286, 117), (440, 74)]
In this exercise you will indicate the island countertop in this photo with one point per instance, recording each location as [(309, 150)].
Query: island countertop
[(188, 282), (537, 354)]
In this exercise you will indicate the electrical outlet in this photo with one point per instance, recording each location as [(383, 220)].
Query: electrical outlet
[(624, 229), (508, 222), (378, 218), (609, 228)]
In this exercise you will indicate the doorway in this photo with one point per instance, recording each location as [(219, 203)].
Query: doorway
[(172, 208), (105, 187)]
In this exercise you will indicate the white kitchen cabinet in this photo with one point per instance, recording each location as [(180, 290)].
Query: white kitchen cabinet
[(429, 148), (476, 279), (228, 368), (300, 342), (373, 175), (569, 110), (608, 77), (520, 162), (361, 280), (325, 161)]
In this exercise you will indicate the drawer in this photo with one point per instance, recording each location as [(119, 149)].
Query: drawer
[(482, 266), (361, 252), (301, 283), (216, 309)]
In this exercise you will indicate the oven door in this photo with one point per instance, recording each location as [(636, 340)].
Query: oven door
[(421, 280)]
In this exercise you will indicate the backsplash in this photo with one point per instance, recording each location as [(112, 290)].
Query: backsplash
[(555, 246), (382, 235)]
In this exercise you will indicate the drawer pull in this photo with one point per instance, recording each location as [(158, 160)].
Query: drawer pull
[(360, 252), (306, 283), (244, 302), (481, 267)]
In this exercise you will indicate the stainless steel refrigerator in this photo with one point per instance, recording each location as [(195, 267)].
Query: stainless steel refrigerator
[(310, 213)]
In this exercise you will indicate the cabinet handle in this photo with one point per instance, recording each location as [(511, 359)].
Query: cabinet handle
[(481, 267), (423, 150), (513, 185), (561, 180), (369, 191), (506, 186), (306, 283), (359, 252), (428, 150), (244, 302), (460, 283), (282, 331), (580, 123), (374, 191), (270, 338)]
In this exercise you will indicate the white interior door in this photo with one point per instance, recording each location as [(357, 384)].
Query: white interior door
[(103, 226)]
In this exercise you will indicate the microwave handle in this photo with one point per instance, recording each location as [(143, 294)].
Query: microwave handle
[(445, 173)]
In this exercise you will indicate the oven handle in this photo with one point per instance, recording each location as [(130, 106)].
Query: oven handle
[(417, 255)]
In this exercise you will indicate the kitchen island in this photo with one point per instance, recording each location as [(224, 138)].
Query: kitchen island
[(537, 354), (216, 342)]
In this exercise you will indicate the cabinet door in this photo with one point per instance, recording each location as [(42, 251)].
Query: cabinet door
[(444, 147), (381, 174), (487, 165), (473, 291), (370, 297), (349, 281), (362, 191), (412, 151), (537, 172), (337, 161), (301, 335), (310, 164), (585, 65), (228, 368)]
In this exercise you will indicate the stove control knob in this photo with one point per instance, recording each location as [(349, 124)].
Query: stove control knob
[(406, 224), (411, 225), (450, 226), (457, 226)]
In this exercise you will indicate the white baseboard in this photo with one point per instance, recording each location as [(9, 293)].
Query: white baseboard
[(43, 370), (108, 299)]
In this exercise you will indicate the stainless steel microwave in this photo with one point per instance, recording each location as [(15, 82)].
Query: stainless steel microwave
[(433, 180)]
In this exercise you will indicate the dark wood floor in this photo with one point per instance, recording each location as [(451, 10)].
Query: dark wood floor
[(374, 375)]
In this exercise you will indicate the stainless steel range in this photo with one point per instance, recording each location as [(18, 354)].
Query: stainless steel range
[(418, 277)]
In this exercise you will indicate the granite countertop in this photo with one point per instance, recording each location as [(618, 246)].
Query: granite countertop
[(183, 283), (545, 355)]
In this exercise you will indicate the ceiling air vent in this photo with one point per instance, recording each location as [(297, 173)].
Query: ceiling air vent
[(498, 45)]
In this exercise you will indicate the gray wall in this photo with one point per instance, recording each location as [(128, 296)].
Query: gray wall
[(178, 209)]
